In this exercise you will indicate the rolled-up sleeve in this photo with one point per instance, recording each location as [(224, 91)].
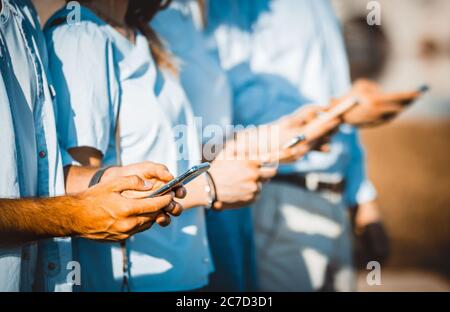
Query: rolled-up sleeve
[(359, 189), (81, 63)]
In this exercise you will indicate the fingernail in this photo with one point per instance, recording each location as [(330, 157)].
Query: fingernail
[(148, 183)]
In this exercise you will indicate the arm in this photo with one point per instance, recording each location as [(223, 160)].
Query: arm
[(99, 213), (266, 142), (359, 189), (23, 220)]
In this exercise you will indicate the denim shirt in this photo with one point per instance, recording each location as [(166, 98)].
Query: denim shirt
[(33, 167)]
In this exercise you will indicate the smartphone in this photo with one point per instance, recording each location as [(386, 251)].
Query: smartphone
[(315, 126), (184, 178)]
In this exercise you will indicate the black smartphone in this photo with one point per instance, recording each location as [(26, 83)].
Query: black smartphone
[(184, 178)]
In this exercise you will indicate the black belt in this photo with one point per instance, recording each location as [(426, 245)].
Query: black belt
[(301, 181)]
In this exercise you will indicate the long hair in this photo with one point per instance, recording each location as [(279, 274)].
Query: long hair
[(139, 15)]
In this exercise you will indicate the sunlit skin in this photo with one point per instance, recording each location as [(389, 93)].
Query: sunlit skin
[(376, 106), (102, 212)]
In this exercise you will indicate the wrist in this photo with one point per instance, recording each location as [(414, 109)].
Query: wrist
[(78, 209), (204, 198), (211, 190), (216, 204)]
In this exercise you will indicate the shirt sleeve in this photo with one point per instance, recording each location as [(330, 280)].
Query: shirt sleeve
[(260, 98), (359, 189), (82, 66)]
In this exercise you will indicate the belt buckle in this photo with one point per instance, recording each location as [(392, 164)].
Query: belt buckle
[(312, 182)]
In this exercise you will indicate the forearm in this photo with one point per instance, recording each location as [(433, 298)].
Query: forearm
[(25, 220), (77, 178)]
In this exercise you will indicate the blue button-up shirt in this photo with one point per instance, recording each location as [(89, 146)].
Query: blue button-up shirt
[(283, 54), (28, 141)]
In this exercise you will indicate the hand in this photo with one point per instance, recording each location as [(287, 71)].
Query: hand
[(146, 170), (238, 182), (152, 173), (266, 143), (102, 213), (372, 239), (375, 106), (307, 121)]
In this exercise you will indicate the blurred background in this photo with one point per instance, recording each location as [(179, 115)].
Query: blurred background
[(409, 159)]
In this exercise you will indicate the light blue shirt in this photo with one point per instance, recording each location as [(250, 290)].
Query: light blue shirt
[(32, 163), (204, 81), (283, 54), (230, 233), (99, 73)]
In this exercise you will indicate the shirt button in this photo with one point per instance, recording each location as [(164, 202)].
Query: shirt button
[(205, 260), (42, 154), (51, 266)]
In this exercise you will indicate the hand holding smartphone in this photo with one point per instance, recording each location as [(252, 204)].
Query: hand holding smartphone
[(184, 178), (314, 129)]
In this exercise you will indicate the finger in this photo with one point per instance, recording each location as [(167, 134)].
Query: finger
[(163, 219), (134, 182), (158, 171), (136, 194), (401, 97), (319, 127), (366, 85), (149, 205), (266, 172), (305, 114), (300, 151), (391, 108), (259, 187), (254, 163), (175, 209), (293, 154), (218, 206), (180, 192), (325, 148)]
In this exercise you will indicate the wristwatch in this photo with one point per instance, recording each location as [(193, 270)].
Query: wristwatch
[(98, 176)]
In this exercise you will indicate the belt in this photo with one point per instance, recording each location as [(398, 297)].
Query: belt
[(310, 183)]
